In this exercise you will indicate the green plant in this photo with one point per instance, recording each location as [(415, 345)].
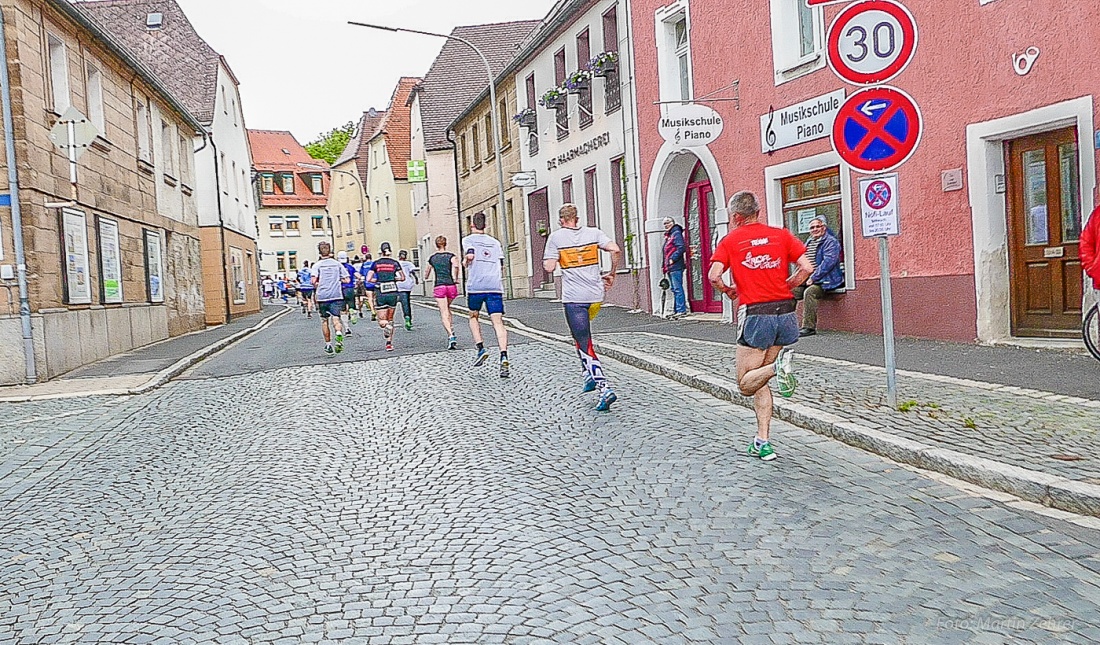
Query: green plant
[(331, 144), (906, 406), (552, 98), (969, 423)]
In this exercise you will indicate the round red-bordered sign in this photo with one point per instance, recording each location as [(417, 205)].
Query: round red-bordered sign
[(871, 42), (877, 129)]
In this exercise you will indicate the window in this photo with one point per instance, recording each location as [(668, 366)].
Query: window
[(584, 99), (532, 133), (224, 167), (503, 121), (387, 207), (813, 195), (267, 183), (292, 257), (280, 260), (374, 158), (490, 149), (154, 266), (559, 79), (236, 187), (617, 168), (276, 226), (465, 156), (612, 93), (590, 197), (567, 190), (317, 184), (513, 226), (236, 261), (288, 183), (797, 39), (185, 160), (168, 144), (475, 138), (377, 212), (317, 224), (683, 58), (292, 229), (95, 99), (362, 220), (339, 226), (145, 150), (59, 73)]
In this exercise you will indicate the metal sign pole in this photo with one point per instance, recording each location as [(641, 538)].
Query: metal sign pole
[(72, 156), (888, 322)]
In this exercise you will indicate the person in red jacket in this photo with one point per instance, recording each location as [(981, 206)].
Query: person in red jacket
[(1090, 248)]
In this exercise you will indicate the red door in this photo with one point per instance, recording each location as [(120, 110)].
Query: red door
[(698, 209)]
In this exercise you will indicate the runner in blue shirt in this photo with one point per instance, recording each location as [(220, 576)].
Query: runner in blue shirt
[(349, 291), (305, 289)]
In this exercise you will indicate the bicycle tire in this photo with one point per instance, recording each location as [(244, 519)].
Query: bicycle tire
[(1090, 331)]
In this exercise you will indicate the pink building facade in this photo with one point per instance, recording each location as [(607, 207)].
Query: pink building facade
[(992, 201)]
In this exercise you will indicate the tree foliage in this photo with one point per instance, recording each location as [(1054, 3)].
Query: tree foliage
[(329, 145)]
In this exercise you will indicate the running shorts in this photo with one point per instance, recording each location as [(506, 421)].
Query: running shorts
[(386, 300), (330, 308), (448, 291), (349, 298), (306, 293), (767, 324), (493, 302)]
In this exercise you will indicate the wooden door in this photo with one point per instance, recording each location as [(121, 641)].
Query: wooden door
[(1044, 226), (538, 208)]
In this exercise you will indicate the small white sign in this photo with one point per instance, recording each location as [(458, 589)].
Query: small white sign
[(690, 125), (524, 180), (805, 216), (806, 121), (878, 203)]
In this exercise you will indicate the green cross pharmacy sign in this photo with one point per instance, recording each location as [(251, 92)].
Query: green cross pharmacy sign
[(418, 171)]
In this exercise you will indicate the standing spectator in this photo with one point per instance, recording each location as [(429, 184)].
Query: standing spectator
[(1090, 248), (823, 249), (405, 287), (675, 252), (269, 288)]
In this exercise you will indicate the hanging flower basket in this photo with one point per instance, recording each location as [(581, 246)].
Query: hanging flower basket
[(526, 118), (578, 81), (553, 98), (604, 64)]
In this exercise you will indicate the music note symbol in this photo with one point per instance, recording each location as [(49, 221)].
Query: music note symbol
[(769, 134)]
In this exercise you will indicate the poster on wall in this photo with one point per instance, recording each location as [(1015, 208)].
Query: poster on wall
[(75, 240), (154, 266), (236, 259), (110, 261)]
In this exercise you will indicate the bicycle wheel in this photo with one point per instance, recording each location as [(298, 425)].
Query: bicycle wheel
[(1091, 331)]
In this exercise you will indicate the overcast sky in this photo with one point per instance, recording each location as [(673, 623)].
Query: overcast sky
[(303, 68)]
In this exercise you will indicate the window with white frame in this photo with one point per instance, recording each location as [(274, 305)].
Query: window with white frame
[(185, 160), (141, 115), (288, 183), (267, 183), (168, 144), (59, 73), (316, 184), (798, 36), (674, 52), (95, 98)]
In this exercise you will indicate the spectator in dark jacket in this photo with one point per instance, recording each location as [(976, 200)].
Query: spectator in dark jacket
[(673, 264), (824, 251)]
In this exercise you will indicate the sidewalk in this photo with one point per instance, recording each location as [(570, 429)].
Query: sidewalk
[(144, 368), (1022, 421)]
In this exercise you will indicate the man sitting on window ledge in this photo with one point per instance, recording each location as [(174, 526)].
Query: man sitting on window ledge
[(823, 249)]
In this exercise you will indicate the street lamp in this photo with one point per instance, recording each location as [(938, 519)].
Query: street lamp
[(358, 182), (496, 134)]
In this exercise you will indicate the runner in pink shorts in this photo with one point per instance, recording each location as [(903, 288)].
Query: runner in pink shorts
[(444, 268)]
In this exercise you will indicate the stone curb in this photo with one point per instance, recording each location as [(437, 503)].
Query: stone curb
[(161, 377), (1034, 486)]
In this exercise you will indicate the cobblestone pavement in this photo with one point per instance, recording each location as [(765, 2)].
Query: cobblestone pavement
[(412, 499), (1013, 428)]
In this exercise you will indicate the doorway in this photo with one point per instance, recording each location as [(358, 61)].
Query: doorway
[(699, 208), (538, 208), (1044, 228)]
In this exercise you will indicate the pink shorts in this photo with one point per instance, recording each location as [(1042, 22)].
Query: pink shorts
[(448, 291)]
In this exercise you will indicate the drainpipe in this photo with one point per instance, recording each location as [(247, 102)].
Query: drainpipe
[(16, 213), (458, 204), (208, 137)]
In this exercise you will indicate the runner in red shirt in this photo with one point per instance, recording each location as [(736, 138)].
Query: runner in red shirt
[(759, 257)]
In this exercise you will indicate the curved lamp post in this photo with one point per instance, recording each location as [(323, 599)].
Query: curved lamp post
[(506, 243)]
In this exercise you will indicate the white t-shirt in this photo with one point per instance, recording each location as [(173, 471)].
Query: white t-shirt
[(330, 276), (577, 251), (410, 281), (484, 274)]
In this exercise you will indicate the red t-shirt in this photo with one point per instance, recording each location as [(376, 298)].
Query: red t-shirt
[(759, 257)]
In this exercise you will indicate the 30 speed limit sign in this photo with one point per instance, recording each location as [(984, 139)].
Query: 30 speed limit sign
[(871, 42)]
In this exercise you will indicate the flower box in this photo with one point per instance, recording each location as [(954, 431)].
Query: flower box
[(578, 81), (604, 64), (554, 98), (526, 118)]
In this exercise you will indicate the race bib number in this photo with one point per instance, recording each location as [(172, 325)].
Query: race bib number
[(387, 287)]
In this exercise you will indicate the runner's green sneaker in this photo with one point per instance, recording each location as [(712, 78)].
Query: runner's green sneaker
[(784, 372), (765, 452), (339, 343)]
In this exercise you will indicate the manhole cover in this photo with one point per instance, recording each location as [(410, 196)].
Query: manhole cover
[(1067, 457)]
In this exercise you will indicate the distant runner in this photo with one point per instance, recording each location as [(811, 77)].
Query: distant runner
[(305, 289), (576, 250), (444, 268), (386, 273), (405, 287), (349, 291), (759, 258), (485, 288), (368, 286), (329, 278)]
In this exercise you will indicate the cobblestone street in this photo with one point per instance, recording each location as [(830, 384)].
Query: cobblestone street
[(272, 495)]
